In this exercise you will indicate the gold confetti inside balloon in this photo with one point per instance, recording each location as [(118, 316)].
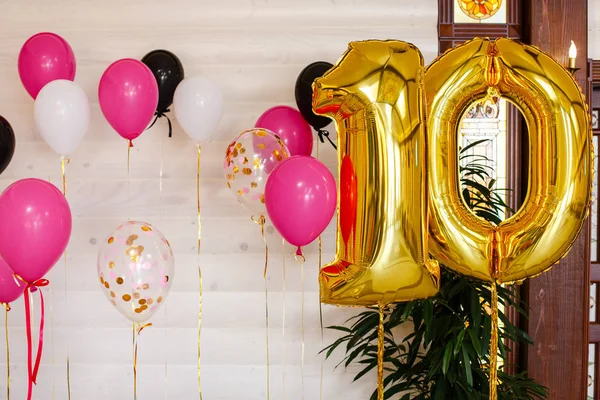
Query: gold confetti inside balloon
[(249, 160), (135, 268)]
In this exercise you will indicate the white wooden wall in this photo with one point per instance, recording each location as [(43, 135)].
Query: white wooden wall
[(594, 29), (254, 49)]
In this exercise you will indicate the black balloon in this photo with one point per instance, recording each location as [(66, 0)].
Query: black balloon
[(7, 144), (304, 93), (168, 71)]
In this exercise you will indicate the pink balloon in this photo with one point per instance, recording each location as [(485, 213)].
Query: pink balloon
[(128, 95), (35, 228), (301, 198), (10, 288), (287, 123), (44, 58)]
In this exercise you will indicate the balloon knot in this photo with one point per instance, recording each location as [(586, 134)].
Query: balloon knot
[(130, 143), (324, 134)]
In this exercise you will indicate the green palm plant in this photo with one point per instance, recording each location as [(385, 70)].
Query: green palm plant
[(447, 354)]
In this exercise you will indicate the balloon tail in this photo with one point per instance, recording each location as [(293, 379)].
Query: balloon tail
[(283, 325), (160, 114), (63, 162), (157, 115), (170, 125), (494, 344), (6, 310), (323, 134), (380, 351), (199, 271), (299, 255)]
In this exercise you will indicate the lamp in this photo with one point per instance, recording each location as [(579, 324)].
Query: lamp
[(572, 58)]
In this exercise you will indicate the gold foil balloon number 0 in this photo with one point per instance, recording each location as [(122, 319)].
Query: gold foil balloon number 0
[(399, 187)]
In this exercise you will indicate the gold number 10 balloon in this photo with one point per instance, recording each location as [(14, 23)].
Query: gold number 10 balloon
[(399, 187)]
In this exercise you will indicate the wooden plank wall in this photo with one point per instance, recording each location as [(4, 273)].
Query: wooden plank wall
[(254, 49)]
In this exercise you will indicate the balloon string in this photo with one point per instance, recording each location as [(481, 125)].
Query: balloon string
[(320, 304), (199, 271), (63, 162), (166, 359), (33, 367), (283, 324), (136, 330), (323, 134), (52, 346), (156, 116), (321, 321), (135, 351), (160, 212), (380, 351), (494, 344), (129, 178), (160, 114), (261, 221), (300, 260), (6, 310)]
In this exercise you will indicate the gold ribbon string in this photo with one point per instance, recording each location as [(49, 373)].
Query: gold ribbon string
[(200, 288), (129, 178), (283, 325), (380, 351), (160, 213), (494, 344), (6, 310), (136, 330), (300, 260), (261, 221), (320, 304), (321, 317), (51, 305), (63, 162)]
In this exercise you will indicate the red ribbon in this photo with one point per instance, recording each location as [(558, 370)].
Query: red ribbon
[(32, 368)]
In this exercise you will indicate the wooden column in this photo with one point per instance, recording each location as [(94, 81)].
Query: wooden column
[(559, 299)]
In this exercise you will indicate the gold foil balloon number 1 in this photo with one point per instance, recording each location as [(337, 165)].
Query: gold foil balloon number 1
[(399, 188)]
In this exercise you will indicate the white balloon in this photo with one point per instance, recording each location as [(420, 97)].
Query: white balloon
[(62, 115), (198, 105)]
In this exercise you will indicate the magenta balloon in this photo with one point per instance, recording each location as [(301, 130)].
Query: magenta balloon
[(35, 228), (128, 95), (10, 288), (301, 198), (44, 58), (287, 123)]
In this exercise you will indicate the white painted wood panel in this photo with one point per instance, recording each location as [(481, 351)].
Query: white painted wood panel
[(594, 29), (254, 49)]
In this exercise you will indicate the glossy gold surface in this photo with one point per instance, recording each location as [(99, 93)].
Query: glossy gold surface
[(374, 93), (560, 172)]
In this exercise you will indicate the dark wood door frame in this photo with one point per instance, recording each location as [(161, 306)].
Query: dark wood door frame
[(594, 329), (559, 299)]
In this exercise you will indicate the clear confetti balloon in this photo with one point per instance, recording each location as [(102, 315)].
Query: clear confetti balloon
[(250, 159), (136, 268)]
